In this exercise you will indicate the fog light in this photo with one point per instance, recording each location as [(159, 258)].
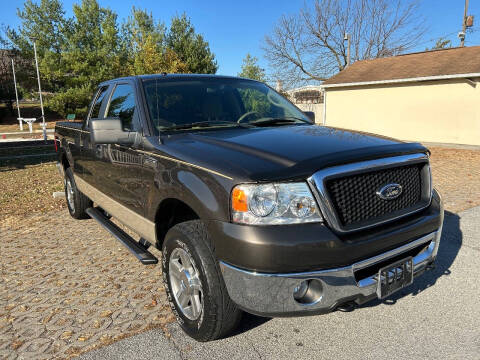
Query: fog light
[(308, 292), (300, 290)]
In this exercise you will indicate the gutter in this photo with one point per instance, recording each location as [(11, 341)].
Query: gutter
[(407, 80)]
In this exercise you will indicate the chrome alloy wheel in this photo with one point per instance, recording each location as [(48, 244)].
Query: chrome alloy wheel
[(185, 282), (70, 199)]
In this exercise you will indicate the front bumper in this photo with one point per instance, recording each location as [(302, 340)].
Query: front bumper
[(271, 294)]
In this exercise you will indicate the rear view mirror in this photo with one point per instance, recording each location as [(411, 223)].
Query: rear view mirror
[(110, 131), (310, 115)]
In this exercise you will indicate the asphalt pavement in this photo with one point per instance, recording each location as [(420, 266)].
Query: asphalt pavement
[(437, 317)]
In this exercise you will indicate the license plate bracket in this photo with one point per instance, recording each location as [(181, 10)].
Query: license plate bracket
[(394, 277)]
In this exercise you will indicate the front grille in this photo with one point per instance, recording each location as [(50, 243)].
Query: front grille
[(354, 196)]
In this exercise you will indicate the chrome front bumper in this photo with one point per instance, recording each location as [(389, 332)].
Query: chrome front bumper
[(272, 294)]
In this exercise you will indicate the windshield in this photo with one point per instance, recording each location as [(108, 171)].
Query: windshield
[(178, 103)]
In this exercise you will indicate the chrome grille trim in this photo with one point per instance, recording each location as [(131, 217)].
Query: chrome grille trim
[(317, 184)]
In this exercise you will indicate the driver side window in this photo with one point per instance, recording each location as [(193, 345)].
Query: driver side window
[(122, 105)]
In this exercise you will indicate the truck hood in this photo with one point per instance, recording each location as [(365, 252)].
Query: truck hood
[(279, 153)]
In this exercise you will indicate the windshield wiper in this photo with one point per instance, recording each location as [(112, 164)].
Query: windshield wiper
[(289, 120), (200, 124)]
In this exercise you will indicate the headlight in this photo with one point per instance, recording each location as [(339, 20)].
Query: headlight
[(272, 204)]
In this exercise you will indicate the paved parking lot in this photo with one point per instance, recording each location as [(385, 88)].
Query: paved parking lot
[(437, 317)]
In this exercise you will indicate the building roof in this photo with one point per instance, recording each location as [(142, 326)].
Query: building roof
[(426, 65)]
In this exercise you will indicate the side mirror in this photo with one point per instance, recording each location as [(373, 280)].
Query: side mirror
[(110, 131), (310, 115)]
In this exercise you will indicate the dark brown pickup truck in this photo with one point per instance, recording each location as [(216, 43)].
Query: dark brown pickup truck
[(253, 206)]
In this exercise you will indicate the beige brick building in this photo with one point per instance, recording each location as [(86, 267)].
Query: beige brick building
[(432, 96)]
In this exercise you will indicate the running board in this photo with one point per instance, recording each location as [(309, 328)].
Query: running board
[(139, 250)]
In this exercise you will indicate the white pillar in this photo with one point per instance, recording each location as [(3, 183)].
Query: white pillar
[(16, 97), (40, 92)]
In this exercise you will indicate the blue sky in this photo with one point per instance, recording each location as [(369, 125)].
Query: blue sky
[(234, 28)]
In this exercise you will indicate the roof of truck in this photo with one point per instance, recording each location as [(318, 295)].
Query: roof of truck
[(176, 76)]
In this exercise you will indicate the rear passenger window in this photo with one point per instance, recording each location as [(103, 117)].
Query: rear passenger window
[(95, 114), (122, 105)]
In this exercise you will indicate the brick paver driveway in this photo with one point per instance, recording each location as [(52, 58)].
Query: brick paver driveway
[(67, 286), (456, 174)]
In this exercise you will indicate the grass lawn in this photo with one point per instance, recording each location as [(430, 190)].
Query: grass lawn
[(9, 122), (28, 190)]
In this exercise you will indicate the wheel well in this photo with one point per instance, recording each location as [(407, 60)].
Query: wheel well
[(170, 213), (65, 162)]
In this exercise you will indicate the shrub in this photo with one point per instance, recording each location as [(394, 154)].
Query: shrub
[(71, 101)]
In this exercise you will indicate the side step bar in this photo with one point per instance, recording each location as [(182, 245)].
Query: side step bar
[(139, 250)]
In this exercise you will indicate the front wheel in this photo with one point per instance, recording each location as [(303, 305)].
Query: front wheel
[(195, 287)]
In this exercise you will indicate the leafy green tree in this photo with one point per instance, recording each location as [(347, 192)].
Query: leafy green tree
[(144, 42), (46, 24), (92, 51), (251, 69), (90, 55), (76, 54), (191, 48), (139, 25), (254, 100), (74, 100)]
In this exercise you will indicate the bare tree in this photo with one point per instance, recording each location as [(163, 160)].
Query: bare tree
[(310, 45)]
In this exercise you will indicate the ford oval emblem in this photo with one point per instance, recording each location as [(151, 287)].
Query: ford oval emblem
[(390, 191)]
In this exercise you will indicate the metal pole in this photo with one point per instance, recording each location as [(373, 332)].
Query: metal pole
[(16, 96), (40, 92), (464, 25), (348, 51), (347, 38)]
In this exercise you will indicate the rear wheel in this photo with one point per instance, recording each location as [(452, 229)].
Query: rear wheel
[(77, 202), (194, 283)]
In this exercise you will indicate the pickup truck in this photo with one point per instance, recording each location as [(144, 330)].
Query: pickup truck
[(253, 206)]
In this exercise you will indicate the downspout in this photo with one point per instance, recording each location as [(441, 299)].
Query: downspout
[(324, 120)]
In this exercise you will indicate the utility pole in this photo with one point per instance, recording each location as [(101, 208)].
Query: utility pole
[(16, 96), (347, 38), (461, 35), (44, 126)]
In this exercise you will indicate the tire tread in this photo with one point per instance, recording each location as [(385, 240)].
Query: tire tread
[(227, 317)]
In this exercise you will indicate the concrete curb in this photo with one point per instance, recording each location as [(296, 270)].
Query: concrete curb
[(59, 194)]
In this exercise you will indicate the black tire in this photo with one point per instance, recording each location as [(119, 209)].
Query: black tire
[(219, 315), (80, 202)]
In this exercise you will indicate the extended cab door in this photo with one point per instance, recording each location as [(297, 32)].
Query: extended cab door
[(89, 152), (120, 174)]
